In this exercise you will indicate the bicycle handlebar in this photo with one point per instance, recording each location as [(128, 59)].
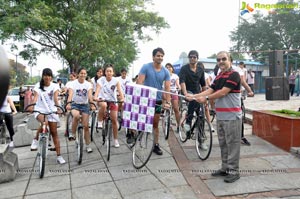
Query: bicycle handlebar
[(49, 113)]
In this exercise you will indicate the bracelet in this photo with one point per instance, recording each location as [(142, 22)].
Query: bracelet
[(207, 99)]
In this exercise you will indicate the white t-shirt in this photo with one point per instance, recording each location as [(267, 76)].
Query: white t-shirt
[(173, 79), (48, 96), (69, 84), (94, 84), (108, 89), (80, 91), (5, 108), (123, 82)]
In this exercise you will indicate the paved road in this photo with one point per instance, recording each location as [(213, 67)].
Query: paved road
[(266, 171)]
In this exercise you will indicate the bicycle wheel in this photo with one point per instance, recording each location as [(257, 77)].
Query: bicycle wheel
[(108, 138), (69, 124), (203, 139), (42, 156), (166, 120), (79, 144), (119, 123), (142, 149), (182, 133), (94, 115)]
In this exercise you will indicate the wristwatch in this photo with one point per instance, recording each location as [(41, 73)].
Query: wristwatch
[(207, 99)]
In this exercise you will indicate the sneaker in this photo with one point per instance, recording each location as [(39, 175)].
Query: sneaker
[(34, 145), (89, 149), (60, 160), (157, 150), (203, 147), (117, 145), (187, 127), (11, 144), (100, 124), (71, 137), (219, 173), (245, 142), (232, 177)]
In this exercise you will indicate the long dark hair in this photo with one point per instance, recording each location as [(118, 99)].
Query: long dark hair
[(46, 72), (96, 76)]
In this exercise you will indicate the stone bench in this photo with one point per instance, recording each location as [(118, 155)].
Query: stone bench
[(23, 136), (8, 164)]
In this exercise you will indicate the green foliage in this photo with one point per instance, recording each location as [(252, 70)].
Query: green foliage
[(277, 31), (288, 112), (18, 74), (83, 33)]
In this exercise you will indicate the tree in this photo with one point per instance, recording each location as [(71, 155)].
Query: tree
[(280, 30), (84, 33), (18, 73)]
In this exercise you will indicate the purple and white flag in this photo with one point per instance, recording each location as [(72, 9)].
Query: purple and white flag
[(139, 107)]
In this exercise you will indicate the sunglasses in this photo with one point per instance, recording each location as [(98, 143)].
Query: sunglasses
[(223, 59), (192, 57)]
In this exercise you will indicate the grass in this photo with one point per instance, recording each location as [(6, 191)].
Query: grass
[(288, 112)]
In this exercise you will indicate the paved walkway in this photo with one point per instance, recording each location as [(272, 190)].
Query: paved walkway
[(266, 171)]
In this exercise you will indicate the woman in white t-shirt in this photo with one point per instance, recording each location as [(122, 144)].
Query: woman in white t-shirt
[(80, 93), (174, 88), (107, 88), (45, 99), (94, 80)]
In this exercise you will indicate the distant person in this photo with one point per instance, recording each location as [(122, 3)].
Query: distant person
[(99, 73), (292, 80), (7, 109), (27, 97), (225, 90), (251, 79), (243, 68), (21, 97), (174, 88)]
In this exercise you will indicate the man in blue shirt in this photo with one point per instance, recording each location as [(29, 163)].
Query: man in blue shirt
[(155, 75)]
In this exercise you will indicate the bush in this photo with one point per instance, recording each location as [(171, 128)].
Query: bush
[(288, 112)]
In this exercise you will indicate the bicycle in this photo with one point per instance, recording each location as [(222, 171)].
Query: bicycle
[(93, 114), (203, 136), (43, 140), (107, 127)]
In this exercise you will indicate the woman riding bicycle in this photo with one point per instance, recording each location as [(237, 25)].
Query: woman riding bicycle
[(45, 99), (80, 93), (107, 87)]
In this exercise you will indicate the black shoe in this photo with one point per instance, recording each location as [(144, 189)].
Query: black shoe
[(177, 130), (232, 178), (245, 142), (157, 149), (219, 173), (130, 138)]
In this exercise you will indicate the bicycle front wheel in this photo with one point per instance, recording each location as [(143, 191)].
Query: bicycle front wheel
[(42, 156), (142, 149), (69, 124), (203, 139), (79, 144), (166, 120), (108, 138), (93, 123)]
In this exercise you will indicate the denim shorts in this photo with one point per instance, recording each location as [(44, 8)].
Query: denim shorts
[(84, 108)]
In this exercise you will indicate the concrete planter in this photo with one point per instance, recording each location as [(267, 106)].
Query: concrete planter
[(281, 130)]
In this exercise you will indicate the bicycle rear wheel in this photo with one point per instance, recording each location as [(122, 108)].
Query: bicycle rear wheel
[(182, 133), (94, 115), (42, 156), (69, 124), (108, 138), (142, 149), (79, 144), (166, 121), (203, 139)]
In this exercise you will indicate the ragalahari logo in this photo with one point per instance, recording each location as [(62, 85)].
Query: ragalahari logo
[(246, 8)]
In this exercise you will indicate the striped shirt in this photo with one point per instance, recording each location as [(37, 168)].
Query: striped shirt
[(229, 106)]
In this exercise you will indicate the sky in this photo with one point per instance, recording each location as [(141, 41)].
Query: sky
[(204, 26)]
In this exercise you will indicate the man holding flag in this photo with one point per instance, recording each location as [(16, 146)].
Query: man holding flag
[(155, 75)]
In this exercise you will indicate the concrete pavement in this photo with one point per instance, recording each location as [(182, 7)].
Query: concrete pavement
[(266, 171)]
